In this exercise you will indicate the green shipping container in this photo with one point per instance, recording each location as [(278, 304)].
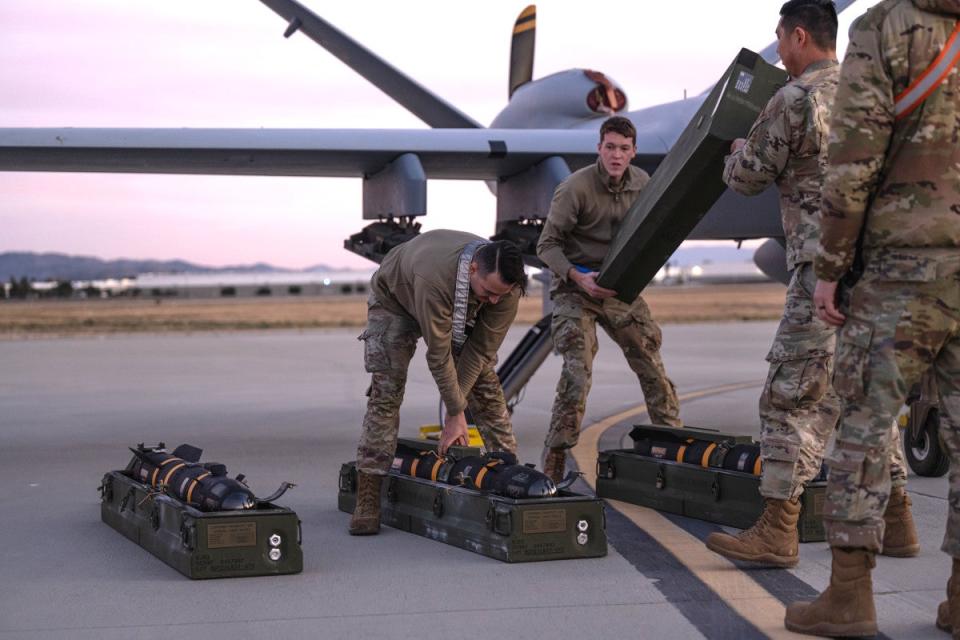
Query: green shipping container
[(708, 493), (223, 544), (564, 527), (688, 181)]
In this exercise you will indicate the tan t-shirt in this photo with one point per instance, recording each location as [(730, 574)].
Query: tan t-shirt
[(418, 278)]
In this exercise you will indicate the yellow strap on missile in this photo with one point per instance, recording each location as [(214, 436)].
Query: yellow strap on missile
[(436, 469), (153, 478), (483, 472), (680, 452), (757, 466), (193, 484), (172, 471), (202, 476), (413, 467), (168, 461), (480, 476), (705, 460)]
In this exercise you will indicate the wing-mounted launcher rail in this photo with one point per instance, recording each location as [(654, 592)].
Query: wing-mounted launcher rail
[(394, 197), (523, 202)]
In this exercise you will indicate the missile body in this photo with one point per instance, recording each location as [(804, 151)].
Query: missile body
[(703, 453), (497, 473), (181, 475)]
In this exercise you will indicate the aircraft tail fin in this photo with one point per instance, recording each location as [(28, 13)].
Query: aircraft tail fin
[(522, 48), (427, 106)]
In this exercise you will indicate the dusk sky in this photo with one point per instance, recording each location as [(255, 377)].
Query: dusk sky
[(224, 63)]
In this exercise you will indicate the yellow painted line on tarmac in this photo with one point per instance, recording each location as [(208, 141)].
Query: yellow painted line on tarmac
[(741, 592)]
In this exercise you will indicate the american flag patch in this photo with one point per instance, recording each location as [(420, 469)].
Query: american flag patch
[(743, 82)]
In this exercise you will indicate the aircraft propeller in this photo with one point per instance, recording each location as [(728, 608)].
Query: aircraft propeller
[(522, 48)]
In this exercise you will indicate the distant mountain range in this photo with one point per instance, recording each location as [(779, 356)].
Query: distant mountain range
[(59, 266)]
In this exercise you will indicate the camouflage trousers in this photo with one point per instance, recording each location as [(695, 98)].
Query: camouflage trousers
[(798, 408), (390, 340), (574, 329), (902, 318)]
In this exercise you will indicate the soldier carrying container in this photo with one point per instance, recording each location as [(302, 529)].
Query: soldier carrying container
[(799, 410), (584, 217), (459, 293), (893, 190)]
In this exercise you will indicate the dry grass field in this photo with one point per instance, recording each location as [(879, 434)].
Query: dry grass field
[(18, 319)]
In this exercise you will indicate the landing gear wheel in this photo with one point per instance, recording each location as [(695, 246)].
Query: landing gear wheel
[(925, 454)]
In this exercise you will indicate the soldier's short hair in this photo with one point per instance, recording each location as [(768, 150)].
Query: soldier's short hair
[(816, 17), (621, 125), (502, 257)]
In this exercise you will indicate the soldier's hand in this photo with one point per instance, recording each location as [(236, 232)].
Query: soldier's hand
[(825, 300), (737, 144), (588, 282), (454, 433)]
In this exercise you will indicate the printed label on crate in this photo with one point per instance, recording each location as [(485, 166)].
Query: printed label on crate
[(231, 534), (544, 521)]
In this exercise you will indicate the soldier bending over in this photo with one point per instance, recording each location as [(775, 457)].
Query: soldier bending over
[(459, 293)]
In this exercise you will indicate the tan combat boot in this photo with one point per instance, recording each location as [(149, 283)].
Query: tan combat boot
[(554, 462), (366, 515), (772, 540), (846, 608), (899, 534), (948, 613)]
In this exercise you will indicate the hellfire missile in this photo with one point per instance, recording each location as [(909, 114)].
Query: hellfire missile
[(181, 475), (498, 473)]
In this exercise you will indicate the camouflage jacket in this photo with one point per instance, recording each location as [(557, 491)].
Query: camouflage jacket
[(418, 278), (585, 215), (896, 182), (787, 145)]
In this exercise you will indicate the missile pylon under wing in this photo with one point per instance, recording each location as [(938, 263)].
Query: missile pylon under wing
[(688, 181)]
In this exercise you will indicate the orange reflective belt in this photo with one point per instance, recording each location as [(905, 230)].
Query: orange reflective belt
[(931, 78)]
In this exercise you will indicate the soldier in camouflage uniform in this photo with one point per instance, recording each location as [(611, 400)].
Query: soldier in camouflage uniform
[(787, 146), (460, 294), (586, 212), (894, 184)]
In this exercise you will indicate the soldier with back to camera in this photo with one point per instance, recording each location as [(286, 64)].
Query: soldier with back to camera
[(787, 146)]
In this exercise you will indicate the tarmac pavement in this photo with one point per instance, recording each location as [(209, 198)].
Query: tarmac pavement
[(287, 406)]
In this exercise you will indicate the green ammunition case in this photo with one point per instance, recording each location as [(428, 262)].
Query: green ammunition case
[(567, 526), (708, 493), (198, 544), (689, 180)]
